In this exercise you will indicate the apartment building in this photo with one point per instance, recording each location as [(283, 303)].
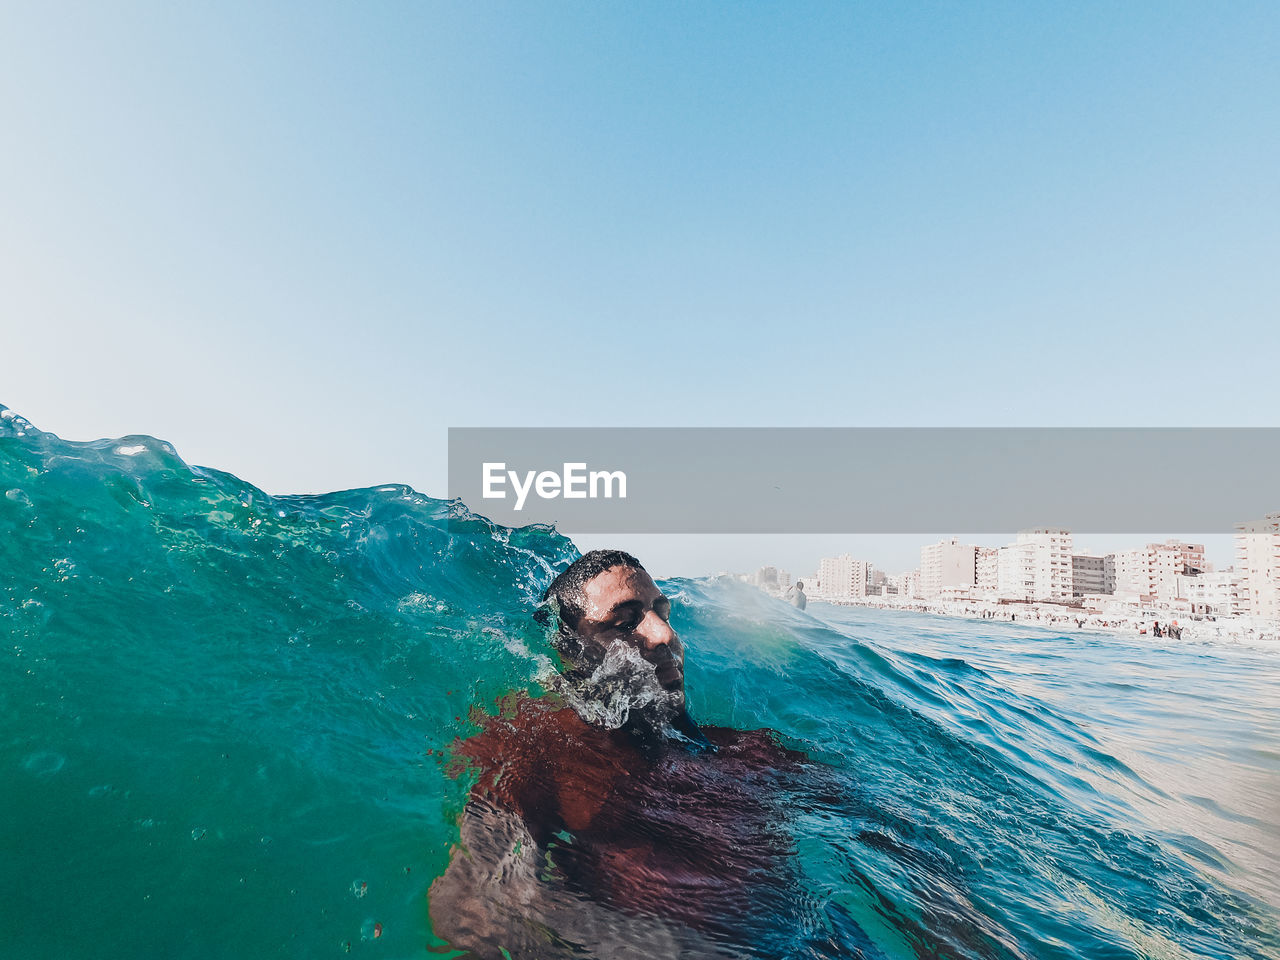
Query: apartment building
[(1215, 593), (1088, 574), (986, 566), (843, 577), (1258, 566), (946, 564), (1153, 572), (1036, 567)]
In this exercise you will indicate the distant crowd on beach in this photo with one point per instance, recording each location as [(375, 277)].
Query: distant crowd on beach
[(1207, 630), (1040, 616), (1171, 629)]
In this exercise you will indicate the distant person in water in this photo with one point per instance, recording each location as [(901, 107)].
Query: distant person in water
[(797, 597), (605, 821)]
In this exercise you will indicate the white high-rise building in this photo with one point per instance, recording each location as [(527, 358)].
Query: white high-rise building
[(843, 577), (1217, 594), (1133, 578), (1258, 565), (1153, 572), (909, 587), (948, 563), (1036, 567), (1015, 574), (986, 567), (859, 578)]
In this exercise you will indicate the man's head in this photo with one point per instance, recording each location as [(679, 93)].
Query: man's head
[(606, 597)]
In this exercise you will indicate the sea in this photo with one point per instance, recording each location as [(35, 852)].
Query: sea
[(228, 725)]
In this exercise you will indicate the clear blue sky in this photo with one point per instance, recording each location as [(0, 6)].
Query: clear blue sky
[(300, 241)]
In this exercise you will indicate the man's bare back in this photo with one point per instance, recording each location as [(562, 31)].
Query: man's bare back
[(571, 826)]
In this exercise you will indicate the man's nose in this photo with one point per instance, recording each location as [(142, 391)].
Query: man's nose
[(655, 631)]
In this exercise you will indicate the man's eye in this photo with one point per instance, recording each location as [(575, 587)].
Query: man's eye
[(630, 623), (663, 609)]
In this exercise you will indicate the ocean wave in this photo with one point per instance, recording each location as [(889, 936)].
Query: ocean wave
[(222, 712)]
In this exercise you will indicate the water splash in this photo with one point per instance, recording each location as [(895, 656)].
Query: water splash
[(621, 686)]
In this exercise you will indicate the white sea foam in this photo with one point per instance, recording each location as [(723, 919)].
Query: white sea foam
[(624, 683)]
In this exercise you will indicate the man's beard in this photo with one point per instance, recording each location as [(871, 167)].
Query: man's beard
[(621, 688)]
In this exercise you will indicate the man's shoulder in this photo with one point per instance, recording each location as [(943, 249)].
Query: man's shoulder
[(762, 746), (521, 716)]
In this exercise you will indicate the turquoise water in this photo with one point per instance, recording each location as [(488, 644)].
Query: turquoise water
[(226, 722)]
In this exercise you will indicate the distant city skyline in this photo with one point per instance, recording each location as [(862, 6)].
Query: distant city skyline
[(1043, 566), (993, 542), (689, 555)]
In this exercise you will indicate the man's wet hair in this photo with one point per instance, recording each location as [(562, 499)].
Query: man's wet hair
[(564, 596)]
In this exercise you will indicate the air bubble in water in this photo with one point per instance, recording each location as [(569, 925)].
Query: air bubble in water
[(18, 495), (44, 763)]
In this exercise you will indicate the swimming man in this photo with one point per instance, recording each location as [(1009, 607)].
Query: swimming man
[(594, 833)]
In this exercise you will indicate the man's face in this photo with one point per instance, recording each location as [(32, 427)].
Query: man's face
[(624, 604)]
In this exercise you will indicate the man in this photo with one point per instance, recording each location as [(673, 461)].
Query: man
[(605, 821), (797, 597)]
